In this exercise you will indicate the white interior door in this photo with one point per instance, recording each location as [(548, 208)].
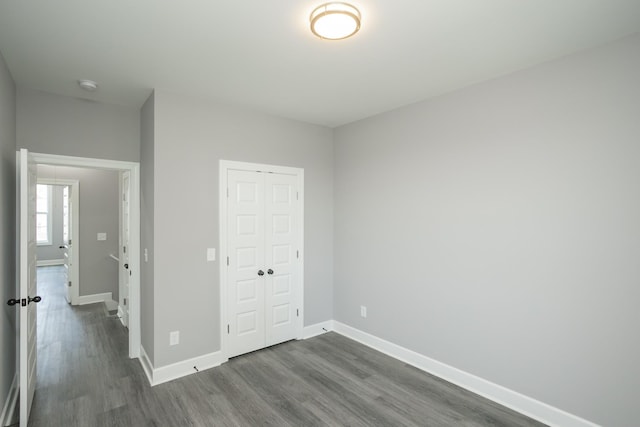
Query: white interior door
[(245, 234), (67, 239), (261, 244), (280, 247), (125, 271), (26, 182)]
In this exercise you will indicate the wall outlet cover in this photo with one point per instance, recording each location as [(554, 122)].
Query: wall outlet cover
[(102, 236)]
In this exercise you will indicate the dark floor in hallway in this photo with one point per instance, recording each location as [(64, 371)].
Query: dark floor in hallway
[(86, 379)]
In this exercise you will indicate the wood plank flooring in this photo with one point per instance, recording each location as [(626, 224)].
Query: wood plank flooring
[(86, 379)]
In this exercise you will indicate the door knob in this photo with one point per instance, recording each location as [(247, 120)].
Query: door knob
[(126, 266), (270, 271), (35, 299), (13, 301), (260, 273)]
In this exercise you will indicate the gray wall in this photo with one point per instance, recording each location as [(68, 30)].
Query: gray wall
[(147, 128), (7, 227), (56, 124), (53, 251), (191, 136), (496, 229), (99, 195)]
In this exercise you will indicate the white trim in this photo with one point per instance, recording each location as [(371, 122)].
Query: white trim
[(147, 366), (317, 329), (9, 408), (92, 299), (525, 405), (224, 167), (177, 370), (134, 242), (49, 262)]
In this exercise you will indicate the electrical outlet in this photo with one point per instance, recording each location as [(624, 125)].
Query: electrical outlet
[(363, 311), (174, 338), (102, 236), (211, 254)]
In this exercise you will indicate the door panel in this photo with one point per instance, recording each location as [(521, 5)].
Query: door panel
[(280, 253), (245, 240), (125, 268), (26, 179), (67, 250)]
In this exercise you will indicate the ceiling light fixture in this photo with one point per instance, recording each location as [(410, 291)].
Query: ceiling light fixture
[(335, 21), (88, 85)]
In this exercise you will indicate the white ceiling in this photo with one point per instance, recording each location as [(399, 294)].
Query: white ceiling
[(260, 54)]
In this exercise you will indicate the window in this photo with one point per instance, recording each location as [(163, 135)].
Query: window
[(43, 214), (65, 214)]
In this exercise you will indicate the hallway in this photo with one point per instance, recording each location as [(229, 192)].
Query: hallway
[(83, 368)]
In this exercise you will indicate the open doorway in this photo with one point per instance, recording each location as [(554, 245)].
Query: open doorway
[(27, 165), (57, 225), (102, 253)]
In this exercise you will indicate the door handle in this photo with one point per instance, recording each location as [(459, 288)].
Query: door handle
[(270, 271), (260, 273), (25, 301)]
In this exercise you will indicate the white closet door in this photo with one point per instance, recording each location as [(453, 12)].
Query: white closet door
[(245, 243), (280, 257)]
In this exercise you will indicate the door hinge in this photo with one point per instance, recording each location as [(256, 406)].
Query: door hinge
[(69, 242), (297, 312), (227, 260), (297, 254), (297, 196), (69, 283), (124, 249), (228, 329), (125, 301)]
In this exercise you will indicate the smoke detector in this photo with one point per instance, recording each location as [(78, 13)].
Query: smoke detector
[(88, 85)]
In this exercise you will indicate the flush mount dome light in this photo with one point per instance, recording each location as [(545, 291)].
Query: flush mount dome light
[(335, 21), (88, 85)]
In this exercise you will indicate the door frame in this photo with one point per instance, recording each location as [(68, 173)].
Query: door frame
[(225, 166), (75, 230), (134, 243), (122, 272)]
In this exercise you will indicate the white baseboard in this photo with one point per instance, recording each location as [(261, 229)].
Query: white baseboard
[(525, 405), (10, 403), (48, 262), (181, 369), (147, 366), (92, 299), (317, 329)]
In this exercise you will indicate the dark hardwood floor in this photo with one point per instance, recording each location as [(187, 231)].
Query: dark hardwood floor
[(86, 379)]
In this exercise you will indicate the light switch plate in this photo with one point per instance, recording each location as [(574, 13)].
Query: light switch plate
[(174, 338), (211, 254), (102, 236)]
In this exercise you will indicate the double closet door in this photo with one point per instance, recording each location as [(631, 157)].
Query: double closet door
[(262, 282)]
